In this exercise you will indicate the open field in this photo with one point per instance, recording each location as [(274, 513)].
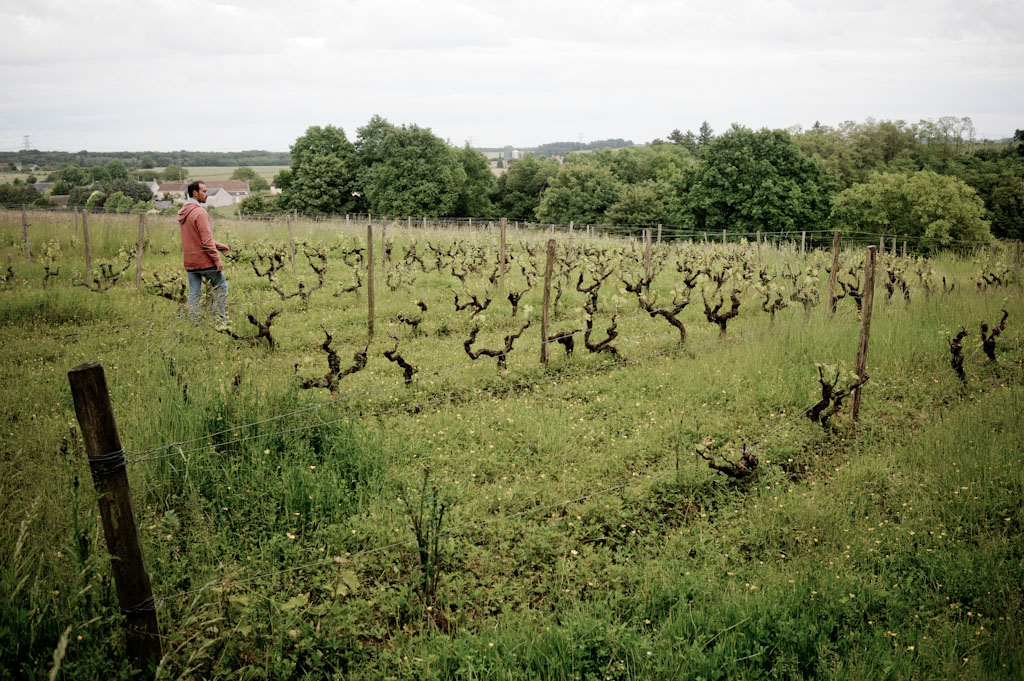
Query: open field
[(582, 535)]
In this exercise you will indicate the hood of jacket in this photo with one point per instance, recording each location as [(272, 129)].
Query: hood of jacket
[(190, 207)]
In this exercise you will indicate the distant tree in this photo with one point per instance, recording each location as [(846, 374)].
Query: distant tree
[(757, 181), (1018, 136), (61, 188), (1007, 208), (116, 171), (323, 172), (582, 192), (98, 174), (31, 179), (146, 162), (418, 174), (17, 195), (474, 197), (72, 175), (923, 204), (705, 135), (675, 137), (259, 204), (518, 191), (96, 199), (135, 190), (147, 176), (255, 180), (172, 173)]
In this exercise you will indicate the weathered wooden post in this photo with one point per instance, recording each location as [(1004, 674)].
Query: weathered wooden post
[(803, 242), (24, 234), (117, 514), (369, 278), (503, 225), (868, 291), (759, 244), (904, 248), (74, 211), (383, 244), (834, 274), (1016, 265), (88, 244), (138, 253), (544, 317), (659, 235), (723, 237)]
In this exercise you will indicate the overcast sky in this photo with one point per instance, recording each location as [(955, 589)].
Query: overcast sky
[(231, 75)]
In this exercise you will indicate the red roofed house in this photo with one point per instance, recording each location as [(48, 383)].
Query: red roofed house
[(222, 193)]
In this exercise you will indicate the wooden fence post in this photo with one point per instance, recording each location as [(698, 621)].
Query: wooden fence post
[(138, 253), (88, 244), (74, 210), (904, 248), (1017, 261), (24, 234), (803, 242), (723, 237), (503, 224), (383, 244), (369, 277), (868, 291), (117, 514), (659, 235), (758, 244), (834, 274), (544, 317)]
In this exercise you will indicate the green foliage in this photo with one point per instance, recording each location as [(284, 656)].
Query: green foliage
[(580, 191), (419, 174), (17, 194), (146, 162), (255, 180), (323, 173), (641, 204), (756, 181), (924, 204), (258, 204), (118, 202), (96, 199), (173, 173), (518, 191), (116, 171), (474, 197)]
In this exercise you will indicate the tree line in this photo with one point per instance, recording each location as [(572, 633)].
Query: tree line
[(930, 179), (145, 160)]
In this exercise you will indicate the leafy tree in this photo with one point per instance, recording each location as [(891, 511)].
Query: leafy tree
[(96, 199), (283, 179), (1007, 208), (474, 198), (419, 174), (135, 190), (172, 173), (255, 180), (688, 140), (61, 188), (116, 171), (641, 204), (323, 172), (16, 195), (146, 162), (750, 181), (579, 191), (31, 179), (71, 174), (922, 204), (118, 202), (80, 195), (518, 191), (98, 174)]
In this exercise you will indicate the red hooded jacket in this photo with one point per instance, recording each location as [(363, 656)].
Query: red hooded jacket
[(197, 244)]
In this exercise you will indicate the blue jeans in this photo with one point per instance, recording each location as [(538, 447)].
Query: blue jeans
[(220, 293)]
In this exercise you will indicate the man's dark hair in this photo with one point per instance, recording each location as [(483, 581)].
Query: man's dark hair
[(193, 187)]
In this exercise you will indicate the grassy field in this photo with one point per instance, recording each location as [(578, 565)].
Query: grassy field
[(568, 526)]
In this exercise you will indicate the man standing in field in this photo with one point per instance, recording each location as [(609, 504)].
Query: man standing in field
[(202, 257)]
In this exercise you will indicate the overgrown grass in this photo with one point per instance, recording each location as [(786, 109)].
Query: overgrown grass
[(583, 537)]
